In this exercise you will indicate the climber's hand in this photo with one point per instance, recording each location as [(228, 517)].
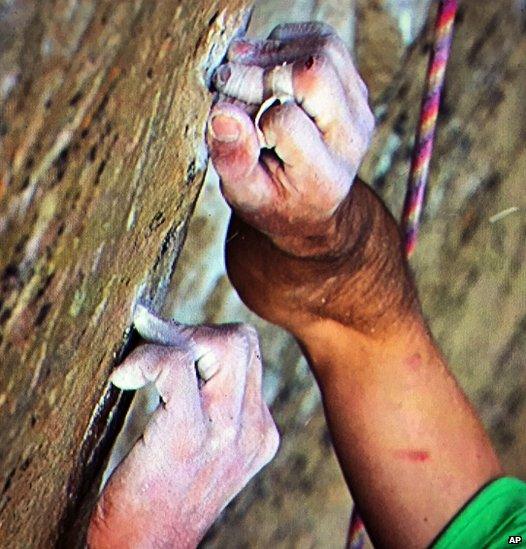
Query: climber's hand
[(207, 439), (314, 143), (308, 240)]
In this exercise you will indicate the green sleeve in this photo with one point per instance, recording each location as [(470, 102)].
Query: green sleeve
[(496, 514)]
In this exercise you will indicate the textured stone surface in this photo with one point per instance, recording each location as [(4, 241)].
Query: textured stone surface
[(471, 272), (102, 112)]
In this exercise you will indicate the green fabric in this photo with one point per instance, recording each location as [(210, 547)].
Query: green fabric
[(497, 512)]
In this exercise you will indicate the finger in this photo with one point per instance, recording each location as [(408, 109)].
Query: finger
[(247, 85), (171, 370), (141, 367), (172, 333), (244, 50), (268, 53), (313, 82), (234, 149), (318, 89), (158, 330), (330, 43), (233, 347), (289, 41), (233, 397), (306, 160), (289, 31), (347, 125)]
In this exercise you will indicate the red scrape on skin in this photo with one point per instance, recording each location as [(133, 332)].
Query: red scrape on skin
[(414, 361), (412, 455)]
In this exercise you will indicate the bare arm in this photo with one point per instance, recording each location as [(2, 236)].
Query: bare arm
[(412, 449), (311, 248)]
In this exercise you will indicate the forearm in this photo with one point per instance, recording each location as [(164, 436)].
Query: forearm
[(314, 250), (410, 446)]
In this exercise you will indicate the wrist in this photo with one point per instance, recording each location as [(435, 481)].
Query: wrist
[(361, 280), (337, 351), (358, 276), (326, 239)]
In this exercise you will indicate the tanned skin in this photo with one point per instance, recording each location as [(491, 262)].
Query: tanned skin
[(332, 272), (311, 248)]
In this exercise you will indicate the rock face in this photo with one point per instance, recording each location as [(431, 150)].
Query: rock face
[(102, 113), (470, 271)]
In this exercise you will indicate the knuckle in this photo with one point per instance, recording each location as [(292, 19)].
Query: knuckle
[(277, 30), (245, 333), (280, 118), (304, 29), (367, 128), (251, 340), (247, 330), (371, 122), (315, 74), (244, 340), (364, 88), (98, 529), (262, 444)]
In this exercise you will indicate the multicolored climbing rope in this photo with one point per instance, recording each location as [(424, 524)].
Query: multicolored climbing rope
[(356, 537), (419, 172), (425, 134)]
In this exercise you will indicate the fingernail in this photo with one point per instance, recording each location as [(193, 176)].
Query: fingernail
[(225, 128), (222, 75), (207, 366)]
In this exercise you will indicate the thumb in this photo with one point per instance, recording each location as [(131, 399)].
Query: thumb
[(234, 149), (170, 369)]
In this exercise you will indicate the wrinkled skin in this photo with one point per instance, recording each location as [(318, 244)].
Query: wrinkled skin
[(203, 444), (318, 140), (307, 240)]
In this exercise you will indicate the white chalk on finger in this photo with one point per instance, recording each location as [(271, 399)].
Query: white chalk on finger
[(157, 330), (279, 81), (243, 82)]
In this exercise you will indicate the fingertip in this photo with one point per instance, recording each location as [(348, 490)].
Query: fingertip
[(232, 142), (227, 123), (128, 379)]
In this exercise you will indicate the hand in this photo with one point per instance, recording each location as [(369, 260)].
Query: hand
[(317, 139), (308, 240), (202, 445)]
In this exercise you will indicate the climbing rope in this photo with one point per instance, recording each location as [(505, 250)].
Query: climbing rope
[(425, 133), (419, 172)]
